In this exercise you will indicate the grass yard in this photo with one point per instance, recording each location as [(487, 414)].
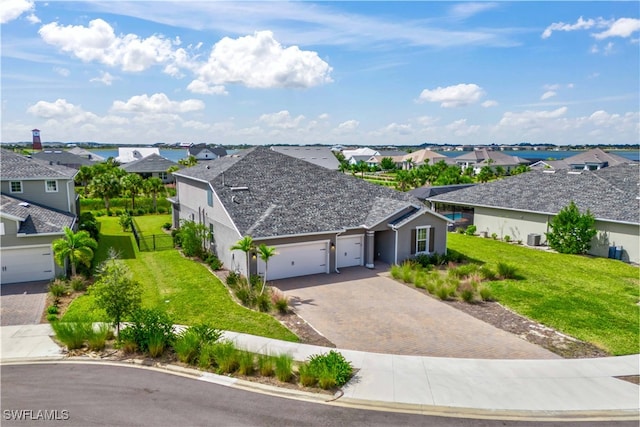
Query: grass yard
[(152, 236), (593, 299), (184, 288)]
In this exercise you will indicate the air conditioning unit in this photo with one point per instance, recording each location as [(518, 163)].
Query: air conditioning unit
[(533, 239)]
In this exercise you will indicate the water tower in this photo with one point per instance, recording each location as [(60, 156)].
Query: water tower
[(37, 144)]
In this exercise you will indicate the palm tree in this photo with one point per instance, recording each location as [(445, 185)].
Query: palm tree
[(245, 245), (189, 161), (404, 179), (154, 186), (83, 177), (77, 247), (132, 183), (265, 252), (105, 185)]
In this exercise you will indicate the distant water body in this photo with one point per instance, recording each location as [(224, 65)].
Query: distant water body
[(177, 154)]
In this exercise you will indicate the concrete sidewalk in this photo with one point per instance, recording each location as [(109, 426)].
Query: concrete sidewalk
[(544, 387)]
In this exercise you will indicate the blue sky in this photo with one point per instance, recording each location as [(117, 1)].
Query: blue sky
[(397, 73)]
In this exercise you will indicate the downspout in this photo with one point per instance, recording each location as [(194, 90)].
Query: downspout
[(395, 247)]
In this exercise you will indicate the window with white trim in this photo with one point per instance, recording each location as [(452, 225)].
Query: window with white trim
[(163, 176), (15, 186), (422, 239), (51, 186)]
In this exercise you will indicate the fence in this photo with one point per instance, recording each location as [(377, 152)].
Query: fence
[(152, 242)]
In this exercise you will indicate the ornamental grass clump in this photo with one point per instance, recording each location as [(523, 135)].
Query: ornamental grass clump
[(72, 334), (506, 271), (246, 363), (306, 376), (284, 367), (225, 357), (98, 336), (266, 365)]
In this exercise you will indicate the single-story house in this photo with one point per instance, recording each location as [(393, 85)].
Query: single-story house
[(589, 160), (204, 152), (318, 220), (321, 156), (63, 158), (357, 155), (409, 160), (477, 159), (37, 201), (131, 154), (153, 165), (523, 205)]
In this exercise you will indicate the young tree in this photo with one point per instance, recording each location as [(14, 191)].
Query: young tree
[(133, 184), (265, 252), (115, 291), (387, 164), (192, 238), (245, 245), (571, 232), (155, 187), (76, 247), (486, 174)]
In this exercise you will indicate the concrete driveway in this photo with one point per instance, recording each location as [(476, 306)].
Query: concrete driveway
[(366, 310), (22, 303)]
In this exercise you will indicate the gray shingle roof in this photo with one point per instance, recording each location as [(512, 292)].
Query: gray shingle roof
[(195, 149), (17, 166), (289, 196), (321, 156), (35, 218), (150, 163), (596, 156), (64, 158), (610, 194), (497, 158)]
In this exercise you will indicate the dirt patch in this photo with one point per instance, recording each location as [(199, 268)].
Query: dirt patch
[(304, 331)]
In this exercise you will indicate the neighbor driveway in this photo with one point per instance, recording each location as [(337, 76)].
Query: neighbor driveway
[(362, 309), (22, 303)]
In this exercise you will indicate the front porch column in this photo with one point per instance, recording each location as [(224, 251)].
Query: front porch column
[(369, 246)]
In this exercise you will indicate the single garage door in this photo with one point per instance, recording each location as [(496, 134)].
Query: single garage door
[(298, 259), (27, 264), (350, 250)]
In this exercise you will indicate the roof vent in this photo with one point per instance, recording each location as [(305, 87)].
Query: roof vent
[(549, 171), (207, 167), (575, 172), (239, 188), (24, 204)]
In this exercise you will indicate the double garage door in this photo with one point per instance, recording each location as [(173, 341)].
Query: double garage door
[(26, 264), (298, 259)]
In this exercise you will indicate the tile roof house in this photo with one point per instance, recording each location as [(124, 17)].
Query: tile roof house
[(321, 156), (524, 204), (204, 152), (477, 159), (589, 160), (319, 220), (153, 165), (64, 158), (38, 200)]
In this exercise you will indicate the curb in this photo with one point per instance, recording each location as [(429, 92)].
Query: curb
[(338, 400)]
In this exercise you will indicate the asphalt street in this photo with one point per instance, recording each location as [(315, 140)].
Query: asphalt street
[(105, 395)]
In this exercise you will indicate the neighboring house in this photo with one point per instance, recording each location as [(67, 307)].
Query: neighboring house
[(38, 200), (321, 156), (359, 155), (203, 152), (523, 205), (63, 158), (131, 154), (589, 160), (477, 159), (409, 160), (319, 220), (153, 165), (86, 154)]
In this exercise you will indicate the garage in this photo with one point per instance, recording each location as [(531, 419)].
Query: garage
[(298, 259), (349, 251), (27, 264)]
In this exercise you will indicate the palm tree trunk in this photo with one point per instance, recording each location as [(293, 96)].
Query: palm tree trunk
[(264, 282)]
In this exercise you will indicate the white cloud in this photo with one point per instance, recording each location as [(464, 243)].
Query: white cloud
[(323, 116), (580, 24), (548, 94), (64, 72), (623, 27), (453, 96), (12, 9), (260, 61), (281, 119), (198, 86), (105, 78), (98, 42), (527, 119), (193, 124), (348, 126), (33, 19), (399, 129), (460, 128), (59, 108), (466, 10), (489, 103), (427, 120), (158, 103)]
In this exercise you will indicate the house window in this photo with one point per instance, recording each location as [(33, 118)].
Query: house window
[(422, 239), (16, 186), (209, 197), (162, 176), (51, 186)]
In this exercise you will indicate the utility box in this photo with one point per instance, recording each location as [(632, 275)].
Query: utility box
[(615, 252), (533, 239)]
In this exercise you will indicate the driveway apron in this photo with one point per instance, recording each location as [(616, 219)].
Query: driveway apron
[(22, 303), (366, 310)]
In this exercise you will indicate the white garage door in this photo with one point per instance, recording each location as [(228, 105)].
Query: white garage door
[(26, 264), (349, 251), (299, 259)]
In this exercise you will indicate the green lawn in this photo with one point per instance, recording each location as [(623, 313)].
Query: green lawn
[(593, 299), (184, 288)]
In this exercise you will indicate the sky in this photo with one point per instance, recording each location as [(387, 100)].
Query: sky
[(348, 73)]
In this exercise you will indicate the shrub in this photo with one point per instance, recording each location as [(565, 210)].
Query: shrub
[(206, 357), (177, 238), (284, 367), (331, 366), (463, 271), (149, 328), (141, 211), (232, 278), (162, 210), (507, 238), (166, 226), (245, 363), (213, 262), (443, 291), (119, 212), (226, 357), (471, 230), (396, 271), (72, 334), (255, 281), (187, 346), (266, 365), (87, 222), (245, 294), (192, 235), (100, 213), (485, 293), (506, 271), (306, 376), (460, 230), (156, 344), (279, 301), (571, 232), (52, 309), (487, 273), (494, 236), (97, 337), (52, 317), (263, 302), (58, 288), (206, 333), (78, 283), (125, 221), (128, 346), (466, 292)]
